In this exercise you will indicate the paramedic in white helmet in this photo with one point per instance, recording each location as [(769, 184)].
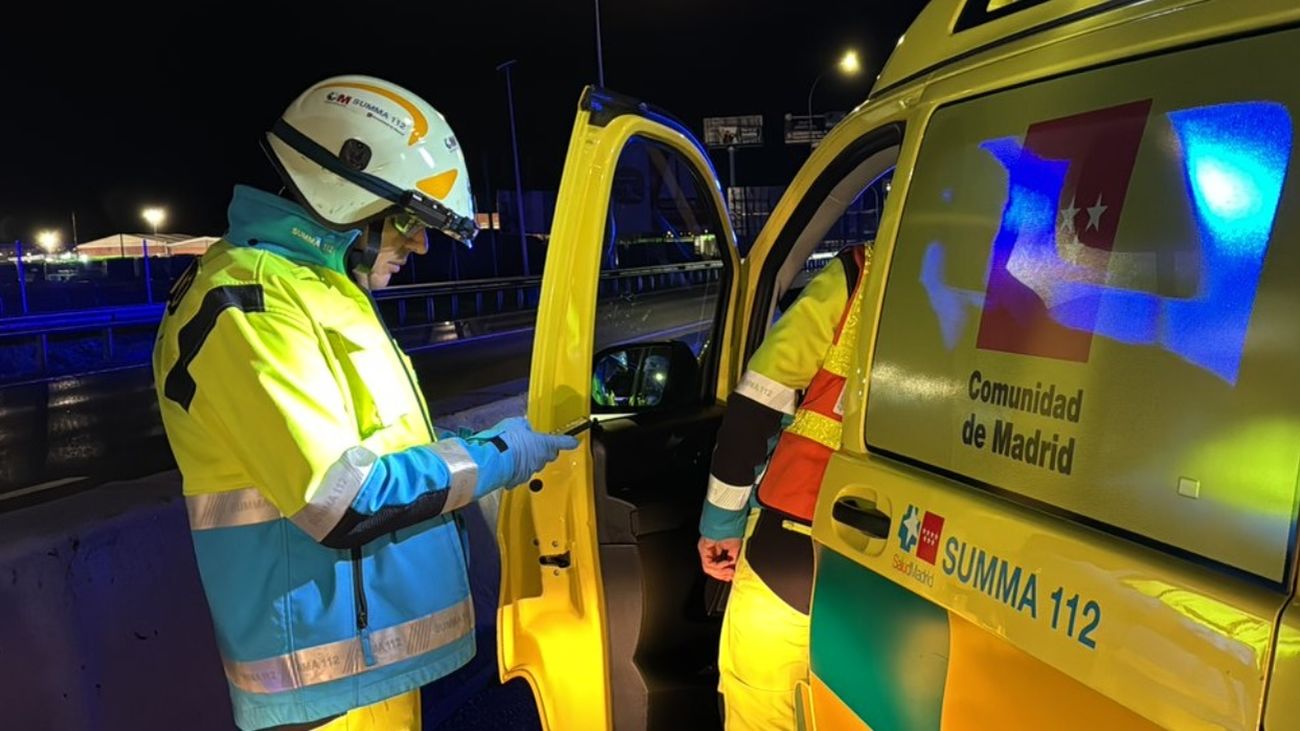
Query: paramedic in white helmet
[(321, 501)]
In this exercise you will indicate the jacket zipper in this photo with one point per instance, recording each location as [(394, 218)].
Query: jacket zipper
[(362, 609)]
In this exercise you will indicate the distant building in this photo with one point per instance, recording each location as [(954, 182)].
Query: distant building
[(137, 245)]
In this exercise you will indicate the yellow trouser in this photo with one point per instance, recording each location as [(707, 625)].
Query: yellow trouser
[(763, 653), (399, 713)]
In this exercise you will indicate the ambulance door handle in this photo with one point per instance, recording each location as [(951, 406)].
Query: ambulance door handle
[(861, 516)]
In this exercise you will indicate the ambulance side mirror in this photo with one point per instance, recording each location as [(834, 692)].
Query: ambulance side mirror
[(643, 377)]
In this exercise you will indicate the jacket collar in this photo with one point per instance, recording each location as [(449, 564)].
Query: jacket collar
[(267, 221)]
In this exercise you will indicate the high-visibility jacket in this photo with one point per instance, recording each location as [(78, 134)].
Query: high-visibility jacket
[(799, 354), (798, 464), (320, 504)]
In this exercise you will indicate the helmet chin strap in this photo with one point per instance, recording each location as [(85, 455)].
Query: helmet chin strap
[(364, 253)]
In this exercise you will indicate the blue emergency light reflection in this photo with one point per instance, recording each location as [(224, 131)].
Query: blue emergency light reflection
[(1225, 191), (1235, 158)]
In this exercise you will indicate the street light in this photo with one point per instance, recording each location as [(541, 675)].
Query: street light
[(154, 216), (600, 55), (514, 143), (848, 65), (48, 240)]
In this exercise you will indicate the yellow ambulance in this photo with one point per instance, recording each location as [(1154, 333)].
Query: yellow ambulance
[(1067, 494)]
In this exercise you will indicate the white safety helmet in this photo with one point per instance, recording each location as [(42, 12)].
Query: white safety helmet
[(355, 150)]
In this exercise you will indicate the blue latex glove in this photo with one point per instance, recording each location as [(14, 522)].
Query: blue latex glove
[(511, 452)]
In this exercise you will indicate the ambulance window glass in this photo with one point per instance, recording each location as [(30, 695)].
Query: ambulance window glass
[(661, 265), (979, 12), (856, 226)]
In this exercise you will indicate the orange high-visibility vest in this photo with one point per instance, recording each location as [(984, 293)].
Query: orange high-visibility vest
[(795, 471)]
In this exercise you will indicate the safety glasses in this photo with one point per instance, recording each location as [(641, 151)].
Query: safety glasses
[(407, 224)]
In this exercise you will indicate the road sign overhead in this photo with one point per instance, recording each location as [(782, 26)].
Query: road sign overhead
[(742, 131), (802, 129)]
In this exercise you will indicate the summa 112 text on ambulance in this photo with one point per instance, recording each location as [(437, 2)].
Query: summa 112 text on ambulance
[(1017, 587)]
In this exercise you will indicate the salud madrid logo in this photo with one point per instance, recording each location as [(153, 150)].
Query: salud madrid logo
[(920, 533)]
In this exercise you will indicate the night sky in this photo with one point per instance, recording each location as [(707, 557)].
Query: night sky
[(109, 110)]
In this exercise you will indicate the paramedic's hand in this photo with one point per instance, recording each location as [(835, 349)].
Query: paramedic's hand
[(522, 451), (719, 557)]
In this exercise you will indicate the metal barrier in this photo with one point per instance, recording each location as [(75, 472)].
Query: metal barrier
[(92, 337), (25, 342), (55, 322), (443, 301)]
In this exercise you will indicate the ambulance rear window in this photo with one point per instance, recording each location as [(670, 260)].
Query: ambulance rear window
[(979, 12)]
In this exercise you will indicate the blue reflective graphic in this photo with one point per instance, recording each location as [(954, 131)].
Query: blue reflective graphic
[(1235, 158), (953, 306), (1033, 189)]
